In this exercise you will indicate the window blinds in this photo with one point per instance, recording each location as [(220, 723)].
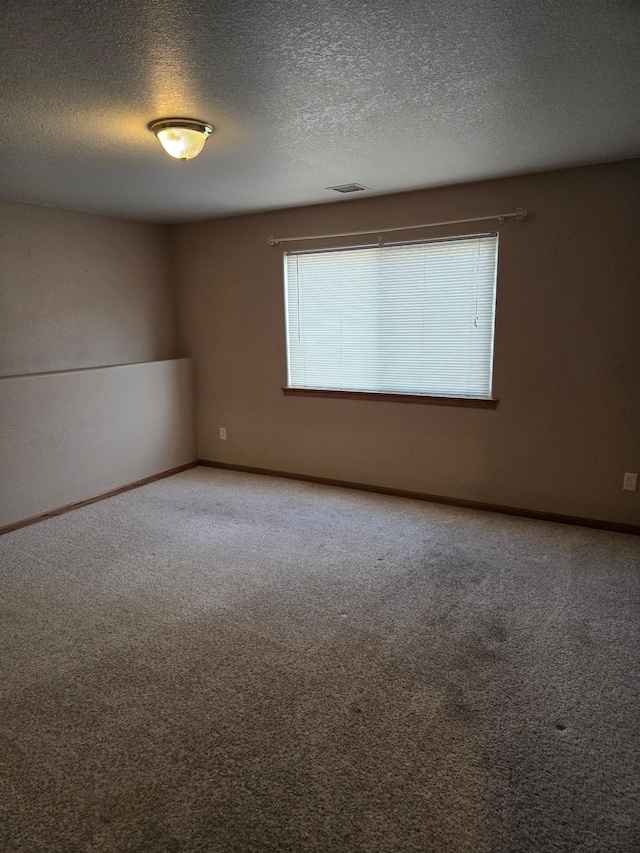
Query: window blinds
[(412, 318)]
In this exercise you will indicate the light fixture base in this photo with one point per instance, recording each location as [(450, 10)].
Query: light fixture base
[(187, 123)]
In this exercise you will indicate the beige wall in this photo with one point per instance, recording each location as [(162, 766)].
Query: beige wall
[(567, 351), (79, 290), (79, 293), (72, 435)]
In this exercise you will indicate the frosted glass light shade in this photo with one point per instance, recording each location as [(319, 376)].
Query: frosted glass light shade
[(182, 138)]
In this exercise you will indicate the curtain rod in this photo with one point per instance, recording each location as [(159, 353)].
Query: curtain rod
[(521, 213)]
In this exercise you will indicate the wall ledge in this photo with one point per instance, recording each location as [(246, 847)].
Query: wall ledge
[(85, 369)]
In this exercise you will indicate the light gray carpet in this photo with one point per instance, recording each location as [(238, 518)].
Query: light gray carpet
[(228, 662)]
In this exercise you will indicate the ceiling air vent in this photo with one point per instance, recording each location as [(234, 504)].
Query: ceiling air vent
[(348, 188)]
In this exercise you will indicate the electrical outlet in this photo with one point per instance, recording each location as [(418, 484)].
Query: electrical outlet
[(223, 433), (630, 483)]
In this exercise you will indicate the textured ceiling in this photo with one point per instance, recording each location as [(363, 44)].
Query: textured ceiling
[(393, 94)]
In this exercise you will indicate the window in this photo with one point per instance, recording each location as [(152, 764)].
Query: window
[(411, 319)]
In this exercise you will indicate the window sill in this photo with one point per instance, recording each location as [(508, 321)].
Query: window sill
[(386, 397)]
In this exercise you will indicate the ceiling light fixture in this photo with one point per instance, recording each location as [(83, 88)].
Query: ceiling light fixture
[(182, 138)]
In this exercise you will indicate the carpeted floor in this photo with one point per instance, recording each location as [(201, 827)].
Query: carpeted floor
[(226, 662)]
